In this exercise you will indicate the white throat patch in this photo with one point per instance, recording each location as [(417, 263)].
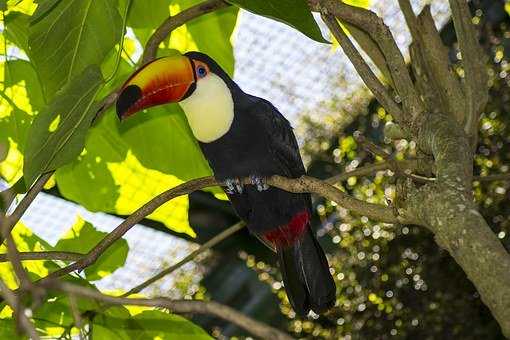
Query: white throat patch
[(209, 109)]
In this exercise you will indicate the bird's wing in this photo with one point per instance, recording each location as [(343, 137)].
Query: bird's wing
[(282, 142)]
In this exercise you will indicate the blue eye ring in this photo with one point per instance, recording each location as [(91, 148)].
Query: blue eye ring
[(201, 71)]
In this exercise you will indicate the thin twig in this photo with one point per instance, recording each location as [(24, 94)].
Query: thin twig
[(381, 34), (45, 255), (13, 257), (496, 177), (12, 300), (206, 246), (73, 306), (13, 218), (404, 166), (473, 61), (369, 78), (179, 306), (369, 146)]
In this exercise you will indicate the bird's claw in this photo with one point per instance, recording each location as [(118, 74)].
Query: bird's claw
[(259, 183), (234, 186)]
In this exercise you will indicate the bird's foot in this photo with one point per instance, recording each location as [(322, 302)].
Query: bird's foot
[(259, 183), (234, 186)]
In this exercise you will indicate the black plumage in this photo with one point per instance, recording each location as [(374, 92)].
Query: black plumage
[(261, 142)]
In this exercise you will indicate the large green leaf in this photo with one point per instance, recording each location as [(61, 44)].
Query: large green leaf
[(211, 33), (20, 99), (294, 13), (108, 177), (58, 133), (149, 324), (162, 140), (82, 237), (71, 36), (143, 15)]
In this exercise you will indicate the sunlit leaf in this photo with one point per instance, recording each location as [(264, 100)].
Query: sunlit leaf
[(211, 33), (162, 154), (25, 240), (11, 167), (174, 213), (152, 324), (294, 13), (358, 3), (82, 237), (23, 6), (46, 150), (71, 36), (22, 73)]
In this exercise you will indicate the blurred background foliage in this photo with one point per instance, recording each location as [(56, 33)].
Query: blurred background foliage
[(393, 281)]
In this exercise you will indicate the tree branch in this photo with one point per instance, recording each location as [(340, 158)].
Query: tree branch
[(179, 306), (45, 255), (298, 185), (369, 78), (12, 219), (12, 300), (206, 246), (380, 33), (473, 61), (446, 207), (174, 22)]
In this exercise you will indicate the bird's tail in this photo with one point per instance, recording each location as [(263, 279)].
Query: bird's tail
[(306, 275)]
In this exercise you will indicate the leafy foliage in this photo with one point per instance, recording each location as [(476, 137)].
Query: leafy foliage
[(84, 237), (294, 13), (58, 132), (72, 35)]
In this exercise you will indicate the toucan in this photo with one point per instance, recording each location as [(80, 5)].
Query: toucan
[(243, 136)]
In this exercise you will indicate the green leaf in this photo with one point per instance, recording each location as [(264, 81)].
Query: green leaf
[(8, 329), (109, 177), (58, 133), (72, 36), (22, 72), (177, 153), (294, 13), (143, 16), (26, 240), (149, 324), (16, 29), (44, 7), (82, 237), (211, 33)]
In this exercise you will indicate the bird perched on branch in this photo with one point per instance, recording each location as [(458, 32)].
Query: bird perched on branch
[(243, 136)]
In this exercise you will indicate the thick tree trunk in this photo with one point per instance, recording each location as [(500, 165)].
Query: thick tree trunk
[(447, 209)]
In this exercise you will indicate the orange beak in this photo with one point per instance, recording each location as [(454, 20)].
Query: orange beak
[(164, 80)]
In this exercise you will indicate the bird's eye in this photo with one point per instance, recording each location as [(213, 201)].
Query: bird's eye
[(201, 71)]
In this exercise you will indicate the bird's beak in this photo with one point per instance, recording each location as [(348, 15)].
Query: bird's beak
[(164, 80)]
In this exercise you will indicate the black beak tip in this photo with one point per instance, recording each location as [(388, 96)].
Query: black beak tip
[(127, 98)]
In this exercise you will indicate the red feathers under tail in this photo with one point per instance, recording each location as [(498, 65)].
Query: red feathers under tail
[(287, 235), (304, 266)]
